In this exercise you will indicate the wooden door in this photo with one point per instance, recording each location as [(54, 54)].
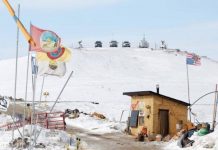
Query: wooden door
[(164, 122)]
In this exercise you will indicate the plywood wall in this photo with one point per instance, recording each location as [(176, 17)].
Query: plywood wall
[(177, 112), (138, 103)]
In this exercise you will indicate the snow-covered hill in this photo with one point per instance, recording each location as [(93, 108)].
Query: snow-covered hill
[(103, 74)]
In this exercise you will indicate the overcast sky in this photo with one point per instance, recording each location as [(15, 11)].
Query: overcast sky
[(184, 24)]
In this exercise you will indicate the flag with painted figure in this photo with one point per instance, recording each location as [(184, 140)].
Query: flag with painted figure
[(53, 63), (63, 54), (193, 59), (45, 40), (52, 68)]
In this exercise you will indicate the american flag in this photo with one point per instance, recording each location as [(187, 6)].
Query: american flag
[(192, 59)]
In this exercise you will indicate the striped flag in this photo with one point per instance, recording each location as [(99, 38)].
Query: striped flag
[(192, 59)]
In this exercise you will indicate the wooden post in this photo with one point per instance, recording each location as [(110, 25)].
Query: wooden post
[(215, 109), (46, 120)]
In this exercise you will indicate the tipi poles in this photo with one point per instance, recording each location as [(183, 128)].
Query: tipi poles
[(215, 109), (188, 91), (15, 83)]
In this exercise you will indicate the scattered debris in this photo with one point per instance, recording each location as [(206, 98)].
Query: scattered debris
[(141, 137), (144, 131), (167, 138), (72, 114), (85, 113), (19, 143), (209, 145), (151, 137), (96, 103), (98, 115), (205, 128), (78, 141), (40, 145), (142, 134), (158, 137)]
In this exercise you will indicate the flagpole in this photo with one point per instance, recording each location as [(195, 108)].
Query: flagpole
[(34, 77), (16, 66), (215, 109), (27, 78), (33, 107), (188, 90)]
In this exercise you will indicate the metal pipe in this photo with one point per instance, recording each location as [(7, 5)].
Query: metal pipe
[(202, 97), (15, 78)]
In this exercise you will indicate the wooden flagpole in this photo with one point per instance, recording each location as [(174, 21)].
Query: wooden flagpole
[(188, 90), (16, 66)]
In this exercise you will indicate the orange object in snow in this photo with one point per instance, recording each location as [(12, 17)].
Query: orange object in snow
[(144, 131)]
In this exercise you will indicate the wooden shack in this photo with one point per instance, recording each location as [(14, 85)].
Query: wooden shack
[(158, 114)]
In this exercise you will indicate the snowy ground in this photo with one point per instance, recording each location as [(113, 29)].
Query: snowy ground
[(53, 139), (97, 126), (103, 74)]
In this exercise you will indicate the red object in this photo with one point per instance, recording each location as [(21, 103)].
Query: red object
[(144, 131), (16, 125), (54, 120)]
